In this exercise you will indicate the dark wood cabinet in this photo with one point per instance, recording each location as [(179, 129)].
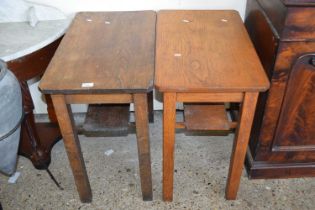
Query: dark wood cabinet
[(282, 141)]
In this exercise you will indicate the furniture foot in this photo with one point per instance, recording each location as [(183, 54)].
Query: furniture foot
[(37, 142)]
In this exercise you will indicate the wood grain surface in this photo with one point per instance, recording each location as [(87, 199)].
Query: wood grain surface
[(287, 56), (298, 109), (297, 25), (202, 51), (112, 50), (200, 117)]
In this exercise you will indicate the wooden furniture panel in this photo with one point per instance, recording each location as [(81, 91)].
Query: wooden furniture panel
[(276, 12), (278, 149), (298, 26), (263, 36), (275, 100), (295, 131), (126, 58), (183, 53), (266, 41)]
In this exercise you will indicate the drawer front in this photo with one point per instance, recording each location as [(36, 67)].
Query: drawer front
[(300, 24)]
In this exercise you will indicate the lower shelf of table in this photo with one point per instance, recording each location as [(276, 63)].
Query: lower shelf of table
[(114, 119), (206, 117), (107, 120)]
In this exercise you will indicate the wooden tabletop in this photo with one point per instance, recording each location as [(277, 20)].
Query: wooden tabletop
[(104, 52), (202, 51)]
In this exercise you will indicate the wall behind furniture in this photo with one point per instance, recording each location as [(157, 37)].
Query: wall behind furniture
[(123, 5)]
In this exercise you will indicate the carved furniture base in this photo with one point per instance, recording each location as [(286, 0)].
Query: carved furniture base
[(37, 139)]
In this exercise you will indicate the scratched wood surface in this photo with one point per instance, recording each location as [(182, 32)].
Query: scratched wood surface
[(201, 51), (112, 50)]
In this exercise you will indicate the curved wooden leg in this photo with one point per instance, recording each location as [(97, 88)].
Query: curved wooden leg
[(73, 148), (31, 144), (240, 144), (143, 142), (169, 121)]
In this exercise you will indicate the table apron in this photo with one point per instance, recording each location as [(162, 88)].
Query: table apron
[(99, 98), (210, 97)]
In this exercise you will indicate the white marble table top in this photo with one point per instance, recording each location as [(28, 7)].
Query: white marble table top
[(19, 39)]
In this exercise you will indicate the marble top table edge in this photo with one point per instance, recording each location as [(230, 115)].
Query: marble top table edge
[(29, 39)]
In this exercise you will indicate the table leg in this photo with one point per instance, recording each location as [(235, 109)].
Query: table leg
[(50, 109), (143, 142), (240, 144), (150, 107), (169, 120), (72, 145)]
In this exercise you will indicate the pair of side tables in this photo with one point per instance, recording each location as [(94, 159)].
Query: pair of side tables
[(201, 58)]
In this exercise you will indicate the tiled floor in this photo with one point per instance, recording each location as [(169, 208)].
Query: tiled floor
[(200, 174)]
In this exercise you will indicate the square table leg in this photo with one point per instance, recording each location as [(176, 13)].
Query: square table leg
[(150, 107), (143, 142), (169, 121), (72, 145), (240, 144)]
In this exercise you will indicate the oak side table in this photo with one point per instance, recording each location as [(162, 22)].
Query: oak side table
[(205, 57), (104, 58)]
